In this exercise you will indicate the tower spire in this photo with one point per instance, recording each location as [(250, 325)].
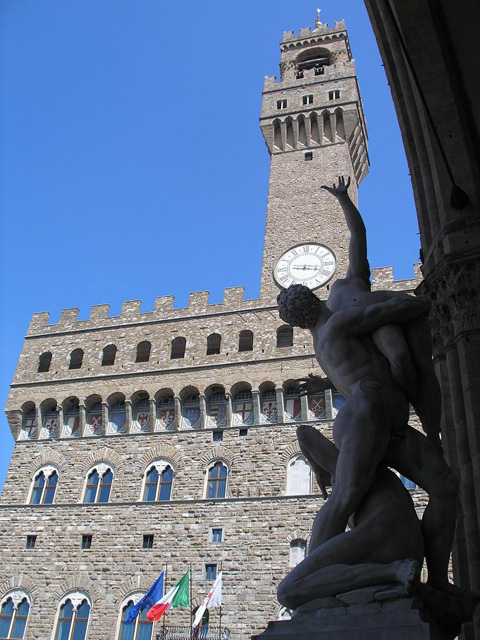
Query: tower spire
[(318, 22)]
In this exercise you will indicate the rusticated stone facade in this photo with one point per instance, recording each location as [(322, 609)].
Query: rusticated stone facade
[(86, 397)]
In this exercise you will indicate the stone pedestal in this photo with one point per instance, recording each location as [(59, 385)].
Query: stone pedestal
[(374, 613)]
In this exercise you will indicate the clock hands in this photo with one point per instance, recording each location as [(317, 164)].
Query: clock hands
[(305, 266)]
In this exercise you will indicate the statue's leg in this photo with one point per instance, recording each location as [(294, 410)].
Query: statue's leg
[(418, 459), (390, 340), (361, 431), (428, 403)]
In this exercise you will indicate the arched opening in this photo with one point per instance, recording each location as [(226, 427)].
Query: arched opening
[(165, 410), (44, 362), (314, 130), (299, 477), (94, 416), (292, 402), (73, 618), (158, 482), (108, 355), (245, 340), (117, 422), (298, 550), (302, 134), (29, 422), (190, 400), (14, 612), (290, 134), (49, 411), (217, 481), (340, 124), (214, 342), (178, 348), (140, 412), (76, 359), (268, 403), (242, 404), (277, 135), (285, 336), (327, 127), (143, 351), (71, 418), (216, 406), (315, 58)]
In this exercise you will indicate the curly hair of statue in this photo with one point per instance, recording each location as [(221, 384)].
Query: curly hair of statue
[(298, 306)]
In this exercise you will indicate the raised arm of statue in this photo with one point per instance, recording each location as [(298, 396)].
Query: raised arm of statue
[(357, 252)]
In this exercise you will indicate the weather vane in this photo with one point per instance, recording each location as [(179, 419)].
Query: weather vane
[(318, 22)]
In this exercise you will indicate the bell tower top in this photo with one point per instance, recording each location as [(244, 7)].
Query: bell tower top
[(314, 128)]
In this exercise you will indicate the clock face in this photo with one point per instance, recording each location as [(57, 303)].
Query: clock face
[(309, 264)]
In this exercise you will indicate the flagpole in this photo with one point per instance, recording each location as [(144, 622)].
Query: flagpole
[(164, 583), (191, 610), (220, 612)]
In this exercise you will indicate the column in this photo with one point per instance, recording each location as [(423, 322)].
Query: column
[(304, 405), (153, 414), (203, 410), (105, 417), (178, 412), (38, 412), (59, 421), (256, 406), (228, 396), (329, 404), (82, 417), (280, 405), (128, 415)]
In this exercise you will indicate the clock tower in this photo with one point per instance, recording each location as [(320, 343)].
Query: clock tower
[(313, 124)]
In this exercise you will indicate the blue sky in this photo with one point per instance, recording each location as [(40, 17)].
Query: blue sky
[(132, 164)]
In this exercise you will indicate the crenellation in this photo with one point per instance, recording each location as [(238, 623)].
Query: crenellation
[(163, 305), (99, 312), (383, 278), (68, 317), (131, 310), (198, 300), (38, 322)]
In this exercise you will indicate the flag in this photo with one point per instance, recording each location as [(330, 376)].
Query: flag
[(178, 596), (213, 599), (153, 594)]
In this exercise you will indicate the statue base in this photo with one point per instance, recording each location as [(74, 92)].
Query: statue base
[(372, 613)]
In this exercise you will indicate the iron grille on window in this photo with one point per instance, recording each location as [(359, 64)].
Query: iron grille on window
[(245, 341), (285, 336), (148, 541), (86, 541)]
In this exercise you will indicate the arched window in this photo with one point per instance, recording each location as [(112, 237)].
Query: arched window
[(118, 415), (268, 404), (298, 549), (73, 617), (94, 422), (71, 418), (29, 422), (138, 629), (191, 411), (165, 411), (293, 405), (143, 351), (141, 413), (299, 477), (245, 340), (99, 484), (14, 611), (285, 336), (214, 342), (243, 407), (178, 348), (44, 362), (158, 482), (217, 408), (108, 355), (217, 481), (44, 486), (76, 359)]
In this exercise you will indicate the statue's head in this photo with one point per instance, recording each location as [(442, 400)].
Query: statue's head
[(299, 306)]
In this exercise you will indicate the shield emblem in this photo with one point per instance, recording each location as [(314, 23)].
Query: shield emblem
[(118, 422), (50, 427), (143, 419), (293, 409), (316, 407), (243, 413), (71, 427), (166, 419), (269, 411), (218, 415), (338, 402), (95, 424), (30, 429), (191, 416)]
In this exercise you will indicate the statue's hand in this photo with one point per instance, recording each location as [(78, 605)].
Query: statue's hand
[(340, 189), (313, 384)]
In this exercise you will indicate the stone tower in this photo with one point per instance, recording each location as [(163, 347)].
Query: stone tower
[(313, 124)]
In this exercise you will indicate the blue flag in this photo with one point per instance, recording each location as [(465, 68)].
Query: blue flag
[(149, 599)]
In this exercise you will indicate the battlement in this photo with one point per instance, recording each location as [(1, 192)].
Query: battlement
[(199, 304), (322, 29), (290, 79), (382, 279)]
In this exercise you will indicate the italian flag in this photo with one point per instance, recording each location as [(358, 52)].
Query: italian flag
[(178, 596)]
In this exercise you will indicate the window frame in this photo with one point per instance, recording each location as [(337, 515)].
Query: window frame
[(307, 99), (134, 597), (17, 596), (214, 570), (212, 535), (51, 471), (102, 468), (218, 481), (161, 466), (77, 598)]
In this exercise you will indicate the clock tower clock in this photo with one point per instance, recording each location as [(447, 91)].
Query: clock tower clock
[(313, 124)]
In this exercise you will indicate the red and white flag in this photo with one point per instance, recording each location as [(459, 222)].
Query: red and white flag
[(213, 599)]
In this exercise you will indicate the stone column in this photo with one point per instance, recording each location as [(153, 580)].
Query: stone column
[(320, 128), (280, 405), (178, 412), (59, 421), (153, 414), (105, 417), (304, 405), (256, 406), (38, 412), (329, 404), (82, 418), (128, 415), (283, 130), (308, 131), (228, 396), (203, 410)]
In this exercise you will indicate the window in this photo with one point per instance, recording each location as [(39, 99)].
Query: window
[(281, 104), (99, 484), (334, 95), (140, 628), (71, 419), (191, 411), (319, 71), (31, 540), (108, 356), (285, 336), (73, 618), (243, 407), (143, 351), (293, 404), (44, 486), (268, 405), (299, 477), (408, 484), (118, 418), (245, 341), (298, 550), (308, 155), (214, 342), (178, 348), (29, 425), (243, 433), (217, 408), (158, 483), (148, 541), (86, 542), (216, 535), (44, 362), (308, 99), (50, 420), (217, 481), (13, 615), (210, 571), (217, 435), (76, 359)]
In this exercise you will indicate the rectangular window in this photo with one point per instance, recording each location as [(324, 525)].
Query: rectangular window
[(243, 433), (86, 542), (216, 535), (31, 542), (334, 95), (319, 71), (308, 99), (210, 571), (281, 104), (218, 435), (148, 541), (308, 155)]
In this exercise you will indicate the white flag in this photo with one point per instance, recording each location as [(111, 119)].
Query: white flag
[(212, 599)]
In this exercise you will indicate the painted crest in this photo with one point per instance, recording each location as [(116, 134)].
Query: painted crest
[(316, 407), (166, 419), (217, 416), (269, 411), (71, 427), (95, 424), (191, 416), (29, 429), (243, 413), (49, 429), (293, 409), (118, 422)]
